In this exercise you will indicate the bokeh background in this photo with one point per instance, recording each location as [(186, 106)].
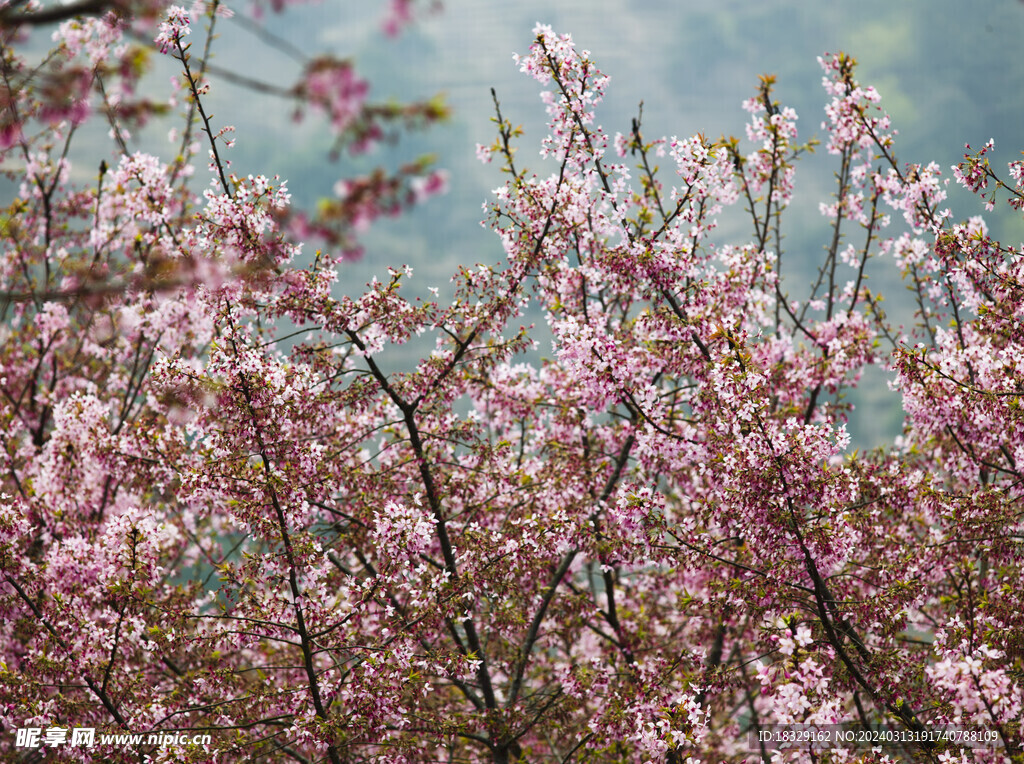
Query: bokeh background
[(949, 73)]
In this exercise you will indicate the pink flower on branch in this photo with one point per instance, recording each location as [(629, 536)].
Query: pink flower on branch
[(333, 87), (174, 29)]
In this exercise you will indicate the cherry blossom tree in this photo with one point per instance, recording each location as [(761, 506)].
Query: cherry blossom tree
[(221, 513)]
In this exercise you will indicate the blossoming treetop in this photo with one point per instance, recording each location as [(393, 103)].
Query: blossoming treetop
[(635, 550)]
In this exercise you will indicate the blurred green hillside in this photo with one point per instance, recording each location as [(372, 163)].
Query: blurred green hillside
[(948, 72)]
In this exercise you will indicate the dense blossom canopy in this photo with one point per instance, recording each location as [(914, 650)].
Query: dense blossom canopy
[(220, 512)]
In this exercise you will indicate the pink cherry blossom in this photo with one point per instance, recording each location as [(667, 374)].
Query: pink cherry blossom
[(242, 496)]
